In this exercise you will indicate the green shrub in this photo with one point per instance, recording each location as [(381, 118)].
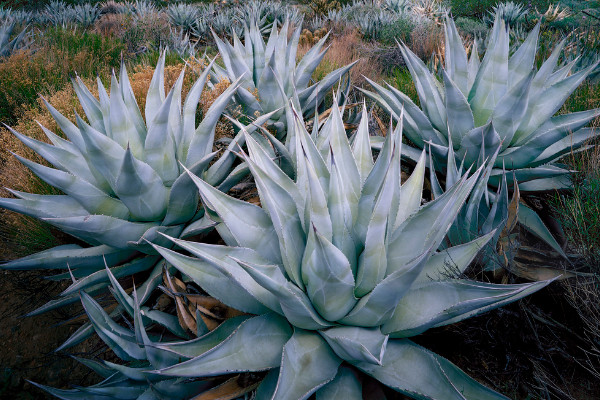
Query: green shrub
[(478, 8), (400, 30), (471, 27)]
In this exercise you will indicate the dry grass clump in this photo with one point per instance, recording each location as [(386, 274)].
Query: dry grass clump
[(110, 25), (345, 49)]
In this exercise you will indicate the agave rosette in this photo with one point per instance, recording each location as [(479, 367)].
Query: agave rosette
[(122, 180), (261, 65), (338, 269), (500, 103)]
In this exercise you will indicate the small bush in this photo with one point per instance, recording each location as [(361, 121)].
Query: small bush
[(400, 30), (471, 27)]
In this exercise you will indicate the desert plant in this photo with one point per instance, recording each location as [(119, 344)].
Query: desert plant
[(511, 13), (340, 266), (499, 102), (123, 179), (182, 15), (261, 66), (7, 44), (86, 14), (334, 276)]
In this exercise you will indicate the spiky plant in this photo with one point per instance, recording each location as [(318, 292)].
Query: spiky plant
[(122, 179), (340, 268), (511, 13), (262, 66), (86, 14), (182, 15), (502, 102), (8, 45)]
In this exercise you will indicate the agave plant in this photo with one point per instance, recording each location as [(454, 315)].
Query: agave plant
[(137, 347), (261, 65), (502, 102), (511, 13), (339, 270), (182, 15), (123, 179), (86, 14), (8, 45)]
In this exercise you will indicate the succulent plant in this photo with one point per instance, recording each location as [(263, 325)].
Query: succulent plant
[(339, 268), (8, 45), (502, 102), (123, 179), (182, 15), (261, 65), (511, 13), (86, 14)]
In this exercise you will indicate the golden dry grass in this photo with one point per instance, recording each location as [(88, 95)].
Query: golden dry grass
[(345, 49)]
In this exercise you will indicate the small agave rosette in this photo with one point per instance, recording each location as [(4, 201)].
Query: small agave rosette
[(337, 269)]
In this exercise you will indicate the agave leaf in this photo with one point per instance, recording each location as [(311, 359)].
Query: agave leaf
[(133, 110), (73, 394), (102, 229), (133, 267), (521, 62), (213, 281), (455, 259), (309, 62), (159, 145), (441, 303), (192, 348), (118, 338), (328, 277), (346, 385), (190, 107), (427, 89), (141, 189), (415, 371), (156, 92), (67, 127), (491, 81), (307, 364), (68, 160), (356, 344), (183, 199), (90, 105), (409, 242), (123, 131), (372, 263), (481, 142), (249, 224), (418, 126), (410, 193), (98, 367), (550, 101), (43, 206), (361, 148), (223, 259), (565, 145), (324, 85), (105, 107), (460, 116), (511, 109), (103, 153), (456, 57), (268, 334), (202, 141), (90, 197), (377, 306), (284, 214), (295, 305), (533, 223)]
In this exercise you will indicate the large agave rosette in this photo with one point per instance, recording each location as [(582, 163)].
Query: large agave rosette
[(337, 270)]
